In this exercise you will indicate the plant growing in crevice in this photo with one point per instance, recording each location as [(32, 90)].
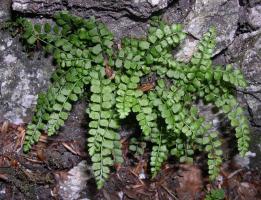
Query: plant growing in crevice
[(84, 52)]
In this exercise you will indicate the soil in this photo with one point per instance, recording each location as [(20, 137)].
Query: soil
[(38, 175)]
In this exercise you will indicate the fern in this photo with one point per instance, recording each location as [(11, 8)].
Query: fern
[(104, 146), (159, 152), (216, 194), (87, 62), (137, 147)]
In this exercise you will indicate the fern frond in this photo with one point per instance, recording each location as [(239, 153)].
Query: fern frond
[(212, 147), (229, 106), (163, 108), (160, 41), (145, 115), (202, 57), (159, 152), (62, 106), (127, 94), (137, 146), (37, 125), (103, 143)]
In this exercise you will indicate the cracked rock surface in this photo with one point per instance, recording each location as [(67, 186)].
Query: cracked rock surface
[(21, 79), (223, 14), (245, 53), (237, 22), (137, 8)]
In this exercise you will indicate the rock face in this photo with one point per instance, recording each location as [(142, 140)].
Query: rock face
[(137, 8), (222, 14), (237, 23), (21, 79), (76, 182), (245, 53)]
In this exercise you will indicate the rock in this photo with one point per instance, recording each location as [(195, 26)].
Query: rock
[(253, 99), (249, 3), (123, 17), (243, 162), (136, 8), (245, 53), (72, 184), (222, 14), (21, 79), (178, 11), (255, 162), (254, 16), (187, 49), (5, 11)]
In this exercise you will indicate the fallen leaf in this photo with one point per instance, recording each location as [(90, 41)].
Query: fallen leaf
[(41, 154), (4, 127), (74, 148)]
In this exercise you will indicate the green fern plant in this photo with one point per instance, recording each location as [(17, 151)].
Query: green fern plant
[(215, 194), (84, 52)]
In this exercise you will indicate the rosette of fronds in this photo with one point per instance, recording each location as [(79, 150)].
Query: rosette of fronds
[(88, 62)]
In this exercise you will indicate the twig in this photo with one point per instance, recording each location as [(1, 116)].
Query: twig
[(137, 177), (35, 161), (170, 193), (234, 173)]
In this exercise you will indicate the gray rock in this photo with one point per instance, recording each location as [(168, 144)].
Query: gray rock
[(249, 3), (244, 161), (122, 17), (255, 162), (73, 186), (5, 10), (178, 11), (245, 53), (222, 14), (21, 79), (254, 16), (134, 8), (187, 49)]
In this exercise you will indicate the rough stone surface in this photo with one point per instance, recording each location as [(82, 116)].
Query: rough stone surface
[(122, 17), (187, 48), (74, 185), (134, 8), (5, 12), (21, 79), (245, 53), (222, 14), (249, 3), (254, 16), (177, 11)]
